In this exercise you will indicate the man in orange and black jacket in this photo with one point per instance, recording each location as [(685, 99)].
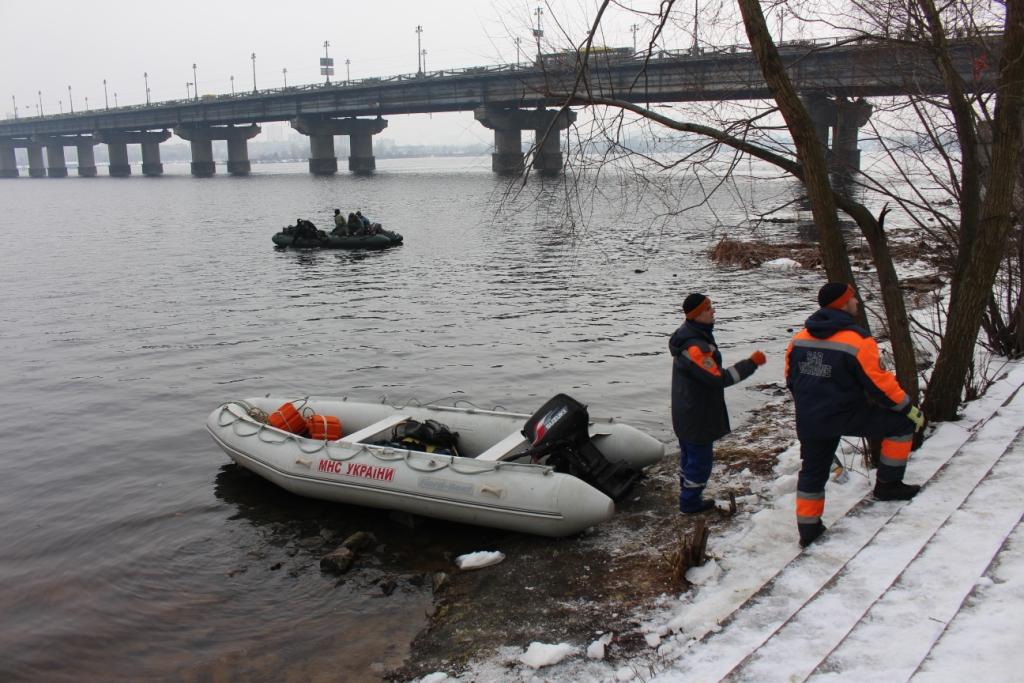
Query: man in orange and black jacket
[(699, 415), (840, 388)]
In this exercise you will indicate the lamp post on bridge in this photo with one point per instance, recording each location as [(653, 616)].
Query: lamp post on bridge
[(424, 53), (87, 103), (253, 58), (634, 28), (195, 80), (326, 63), (71, 103), (39, 94), (145, 77), (518, 50), (60, 105), (419, 53), (106, 102), (232, 84), (284, 72), (538, 32), (188, 90), (15, 103), (115, 98), (348, 74)]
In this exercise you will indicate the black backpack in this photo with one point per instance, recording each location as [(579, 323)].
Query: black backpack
[(429, 436)]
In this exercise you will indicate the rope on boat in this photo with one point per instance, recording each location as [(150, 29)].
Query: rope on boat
[(437, 402), (437, 462)]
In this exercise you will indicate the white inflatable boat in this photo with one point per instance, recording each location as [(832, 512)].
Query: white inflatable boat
[(492, 481)]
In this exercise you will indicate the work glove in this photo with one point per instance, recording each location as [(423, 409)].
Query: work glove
[(758, 358), (915, 415)]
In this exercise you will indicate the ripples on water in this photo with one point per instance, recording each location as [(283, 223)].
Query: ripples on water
[(132, 307)]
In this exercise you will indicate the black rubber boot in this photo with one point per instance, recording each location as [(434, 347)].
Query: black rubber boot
[(810, 533), (703, 506), (895, 490)]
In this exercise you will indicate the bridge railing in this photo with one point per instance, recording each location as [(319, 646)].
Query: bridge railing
[(564, 58)]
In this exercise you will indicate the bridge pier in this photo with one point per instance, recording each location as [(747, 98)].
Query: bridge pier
[(202, 164), (117, 142), (238, 154), (8, 161), (151, 164), (56, 166), (508, 124), (201, 139), (86, 158), (507, 158), (321, 132), (843, 117), (849, 117), (117, 151), (36, 168), (360, 145), (322, 159)]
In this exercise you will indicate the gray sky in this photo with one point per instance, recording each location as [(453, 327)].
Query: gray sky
[(49, 45)]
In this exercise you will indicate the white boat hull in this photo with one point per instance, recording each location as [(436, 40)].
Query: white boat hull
[(489, 492)]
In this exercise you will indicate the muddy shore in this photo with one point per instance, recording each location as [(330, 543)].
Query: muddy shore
[(574, 589)]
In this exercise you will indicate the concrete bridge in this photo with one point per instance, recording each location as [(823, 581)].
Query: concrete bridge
[(833, 78)]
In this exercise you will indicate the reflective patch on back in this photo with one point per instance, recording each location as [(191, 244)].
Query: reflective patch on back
[(815, 365)]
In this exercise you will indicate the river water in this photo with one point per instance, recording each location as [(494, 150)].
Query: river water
[(132, 307)]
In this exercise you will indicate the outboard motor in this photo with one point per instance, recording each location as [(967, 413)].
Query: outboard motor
[(559, 430)]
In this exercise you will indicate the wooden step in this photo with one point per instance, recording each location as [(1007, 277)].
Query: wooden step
[(772, 607)]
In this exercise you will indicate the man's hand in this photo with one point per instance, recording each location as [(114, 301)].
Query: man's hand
[(915, 415), (758, 358)]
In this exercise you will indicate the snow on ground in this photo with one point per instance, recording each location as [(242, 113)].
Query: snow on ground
[(541, 654), (781, 264), (982, 639), (479, 559)]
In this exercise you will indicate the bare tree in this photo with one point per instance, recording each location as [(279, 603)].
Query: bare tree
[(973, 218)]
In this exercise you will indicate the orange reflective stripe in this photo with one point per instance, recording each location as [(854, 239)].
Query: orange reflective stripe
[(704, 360), (871, 363), (809, 508), (896, 450)]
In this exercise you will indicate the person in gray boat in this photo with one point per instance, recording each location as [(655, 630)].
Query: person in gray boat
[(340, 224)]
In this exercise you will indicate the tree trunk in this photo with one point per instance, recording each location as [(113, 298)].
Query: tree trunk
[(816, 179), (810, 150), (982, 255), (963, 119), (892, 298)]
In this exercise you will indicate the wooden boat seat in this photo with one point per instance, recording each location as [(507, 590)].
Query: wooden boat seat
[(376, 429), (503, 448)]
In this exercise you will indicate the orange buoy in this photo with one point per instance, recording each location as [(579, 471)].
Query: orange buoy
[(287, 418), (324, 427)]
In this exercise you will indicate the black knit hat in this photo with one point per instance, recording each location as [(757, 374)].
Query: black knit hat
[(694, 304), (834, 294)]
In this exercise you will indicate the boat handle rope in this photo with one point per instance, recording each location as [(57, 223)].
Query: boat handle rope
[(437, 463)]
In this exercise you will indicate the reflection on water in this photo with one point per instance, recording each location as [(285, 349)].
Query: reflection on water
[(135, 307)]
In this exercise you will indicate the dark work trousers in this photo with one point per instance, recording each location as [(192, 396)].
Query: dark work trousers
[(694, 471), (896, 432)]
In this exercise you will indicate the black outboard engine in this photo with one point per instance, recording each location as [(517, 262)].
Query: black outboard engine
[(559, 430)]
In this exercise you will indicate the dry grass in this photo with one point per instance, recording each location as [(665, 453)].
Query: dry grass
[(748, 255)]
